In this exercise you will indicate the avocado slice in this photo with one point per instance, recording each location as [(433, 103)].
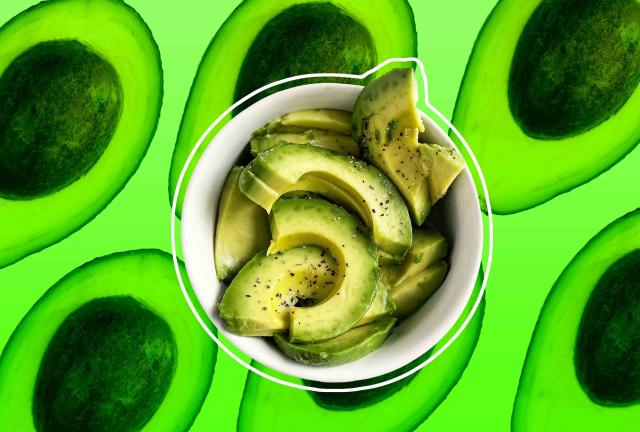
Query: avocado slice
[(381, 306), (328, 119), (333, 141), (414, 291), (428, 247), (386, 124), (242, 228), (556, 105), (393, 407), (278, 170), (582, 369), (111, 346), (81, 89), (263, 41), (260, 298), (296, 222), (349, 346)]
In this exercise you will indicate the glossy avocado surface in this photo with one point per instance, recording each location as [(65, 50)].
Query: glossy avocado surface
[(392, 407), (81, 85), (111, 346), (559, 104), (255, 46), (582, 370)]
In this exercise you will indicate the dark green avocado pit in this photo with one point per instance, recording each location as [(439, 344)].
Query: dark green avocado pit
[(576, 64), (61, 103), (107, 368), (607, 356), (306, 38)]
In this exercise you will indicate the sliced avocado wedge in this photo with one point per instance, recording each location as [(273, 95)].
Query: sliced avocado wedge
[(280, 168), (350, 346), (555, 104), (414, 291), (242, 228), (393, 407), (331, 120), (296, 222), (341, 143), (381, 306), (81, 90), (111, 346), (428, 247), (386, 123), (582, 370), (260, 298), (286, 38), (443, 165)]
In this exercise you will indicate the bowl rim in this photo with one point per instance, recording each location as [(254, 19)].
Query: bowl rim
[(326, 374)]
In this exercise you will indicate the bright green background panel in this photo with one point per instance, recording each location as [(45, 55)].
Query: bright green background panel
[(532, 247)]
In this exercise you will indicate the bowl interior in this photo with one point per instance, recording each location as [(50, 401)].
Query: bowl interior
[(457, 215)]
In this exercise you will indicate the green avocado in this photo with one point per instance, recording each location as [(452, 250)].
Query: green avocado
[(413, 292), (242, 228), (428, 247), (386, 125), (263, 41), (349, 346), (582, 370), (393, 407), (558, 104), (327, 119), (81, 90), (281, 168), (296, 222), (340, 143), (111, 346), (259, 300)]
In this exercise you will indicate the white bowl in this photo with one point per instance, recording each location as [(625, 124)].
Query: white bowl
[(458, 217)]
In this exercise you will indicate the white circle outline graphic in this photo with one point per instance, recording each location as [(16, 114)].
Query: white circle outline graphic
[(176, 195)]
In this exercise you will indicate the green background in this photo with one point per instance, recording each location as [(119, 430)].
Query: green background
[(531, 248)]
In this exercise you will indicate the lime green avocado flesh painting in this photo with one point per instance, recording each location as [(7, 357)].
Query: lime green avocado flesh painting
[(112, 346), (107, 367), (81, 90), (582, 370), (391, 407), (263, 41), (554, 107), (61, 105)]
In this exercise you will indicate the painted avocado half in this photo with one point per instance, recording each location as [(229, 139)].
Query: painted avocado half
[(582, 370), (263, 41), (81, 90), (111, 346), (392, 407), (555, 106)]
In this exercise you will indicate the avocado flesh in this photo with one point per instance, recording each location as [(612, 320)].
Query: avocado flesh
[(73, 133), (348, 347), (386, 123), (296, 222), (242, 228), (218, 75), (340, 143), (428, 247), (111, 346), (581, 370), (556, 107), (281, 167), (392, 407), (332, 120), (259, 300), (413, 292), (443, 165), (381, 306)]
